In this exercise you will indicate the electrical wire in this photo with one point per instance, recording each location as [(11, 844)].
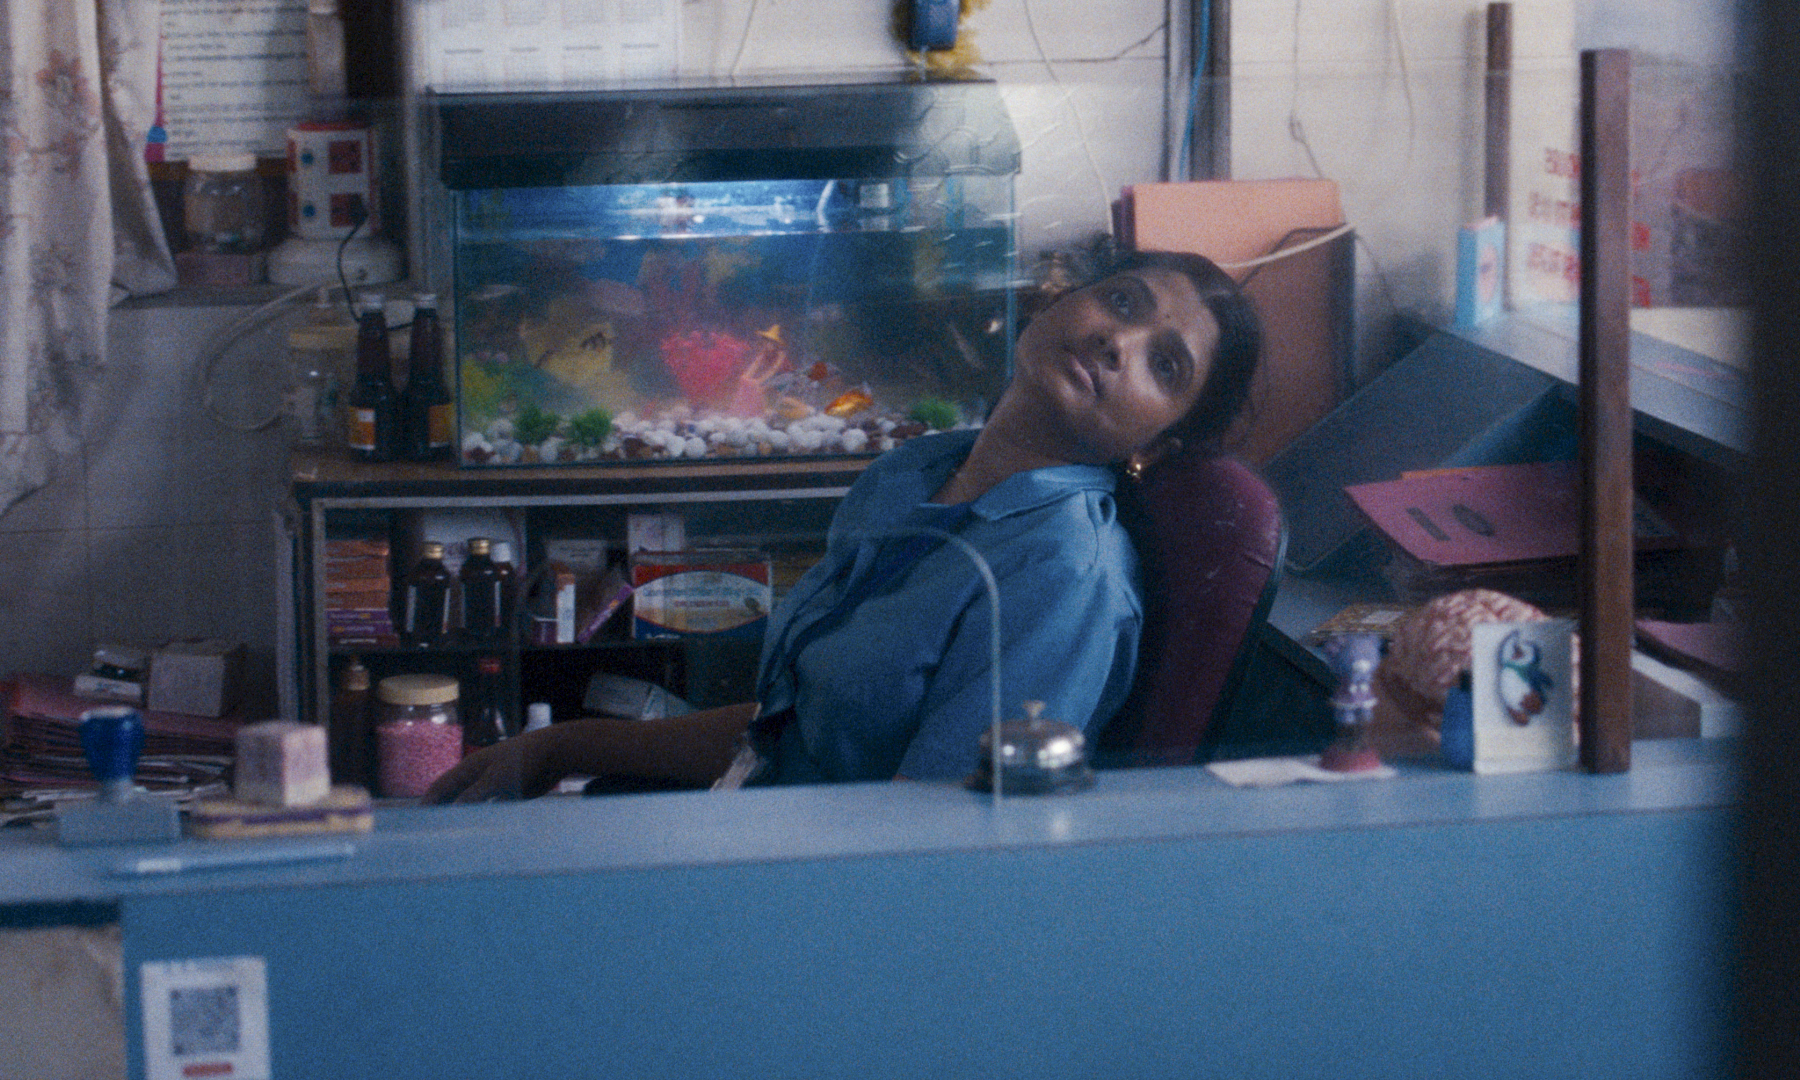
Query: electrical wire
[(1288, 253), (1202, 53), (228, 337), (1080, 131), (749, 21)]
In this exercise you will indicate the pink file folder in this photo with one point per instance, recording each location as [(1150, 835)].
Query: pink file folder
[(1491, 514)]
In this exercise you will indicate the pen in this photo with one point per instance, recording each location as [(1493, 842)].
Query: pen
[(225, 859)]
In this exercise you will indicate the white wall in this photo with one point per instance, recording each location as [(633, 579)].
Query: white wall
[(1084, 85), (1386, 98), (157, 526)]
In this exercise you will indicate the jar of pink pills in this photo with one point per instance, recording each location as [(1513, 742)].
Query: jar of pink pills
[(417, 736)]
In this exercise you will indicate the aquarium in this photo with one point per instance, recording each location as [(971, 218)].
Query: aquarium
[(726, 271)]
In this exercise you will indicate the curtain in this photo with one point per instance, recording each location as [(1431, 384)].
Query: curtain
[(78, 228)]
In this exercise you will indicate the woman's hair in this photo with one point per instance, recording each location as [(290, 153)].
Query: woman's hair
[(1227, 387)]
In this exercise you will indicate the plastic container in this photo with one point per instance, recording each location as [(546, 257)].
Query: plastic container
[(222, 200), (417, 734), (319, 354)]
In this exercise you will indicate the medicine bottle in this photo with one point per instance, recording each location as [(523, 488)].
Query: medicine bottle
[(428, 412), (487, 715), (222, 201), (417, 735), (374, 433), (350, 738), (483, 609), (425, 598), (509, 584)]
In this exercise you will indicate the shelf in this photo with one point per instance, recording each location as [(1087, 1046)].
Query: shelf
[(333, 476), (777, 503)]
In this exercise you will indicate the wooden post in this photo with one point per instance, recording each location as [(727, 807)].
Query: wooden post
[(1605, 372), (1498, 96)]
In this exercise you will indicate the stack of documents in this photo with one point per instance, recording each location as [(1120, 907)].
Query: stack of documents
[(1516, 529), (42, 744)]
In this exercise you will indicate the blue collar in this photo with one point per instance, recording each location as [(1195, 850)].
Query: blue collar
[(904, 489)]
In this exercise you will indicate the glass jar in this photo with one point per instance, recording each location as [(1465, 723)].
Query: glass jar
[(223, 203), (417, 734), (317, 358)]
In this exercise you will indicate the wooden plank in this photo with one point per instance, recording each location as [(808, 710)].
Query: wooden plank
[(1605, 396), (1498, 99)]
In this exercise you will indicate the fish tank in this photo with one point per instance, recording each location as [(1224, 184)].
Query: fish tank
[(705, 271)]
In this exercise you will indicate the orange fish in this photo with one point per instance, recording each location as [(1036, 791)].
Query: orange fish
[(849, 403)]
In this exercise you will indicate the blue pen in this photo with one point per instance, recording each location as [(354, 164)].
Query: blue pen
[(227, 858)]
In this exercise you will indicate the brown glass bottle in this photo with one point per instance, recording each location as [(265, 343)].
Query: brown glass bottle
[(351, 737), (425, 599), (483, 611), (427, 411), (509, 586), (486, 716), (374, 433)]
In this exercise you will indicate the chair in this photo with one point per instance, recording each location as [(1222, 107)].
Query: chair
[(1211, 538)]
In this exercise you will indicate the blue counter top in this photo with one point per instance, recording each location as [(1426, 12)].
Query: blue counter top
[(1162, 924), (563, 835)]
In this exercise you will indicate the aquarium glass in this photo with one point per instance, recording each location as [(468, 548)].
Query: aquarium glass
[(744, 318)]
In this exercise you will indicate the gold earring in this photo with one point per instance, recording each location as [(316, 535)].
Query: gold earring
[(1134, 467)]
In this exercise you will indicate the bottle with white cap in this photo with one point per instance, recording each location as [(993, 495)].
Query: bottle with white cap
[(537, 715)]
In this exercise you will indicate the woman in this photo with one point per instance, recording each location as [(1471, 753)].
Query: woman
[(877, 665)]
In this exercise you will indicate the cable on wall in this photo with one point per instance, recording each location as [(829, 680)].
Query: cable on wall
[(1069, 98), (744, 39), (1202, 53)]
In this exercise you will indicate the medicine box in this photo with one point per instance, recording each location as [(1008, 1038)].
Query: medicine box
[(700, 593)]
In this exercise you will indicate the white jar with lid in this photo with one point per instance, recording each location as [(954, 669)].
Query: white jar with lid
[(223, 204), (417, 735)]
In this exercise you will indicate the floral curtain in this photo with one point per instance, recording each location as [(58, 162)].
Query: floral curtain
[(78, 228)]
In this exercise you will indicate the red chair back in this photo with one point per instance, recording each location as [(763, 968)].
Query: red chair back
[(1210, 536)]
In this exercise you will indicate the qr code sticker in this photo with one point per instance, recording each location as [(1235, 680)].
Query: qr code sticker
[(204, 1020), (205, 1017)]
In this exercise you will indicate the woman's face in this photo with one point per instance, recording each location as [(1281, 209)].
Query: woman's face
[(1113, 364)]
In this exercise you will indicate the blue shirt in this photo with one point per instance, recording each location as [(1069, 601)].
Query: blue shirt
[(896, 682)]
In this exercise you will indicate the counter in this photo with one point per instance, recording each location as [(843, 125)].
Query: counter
[(1161, 924)]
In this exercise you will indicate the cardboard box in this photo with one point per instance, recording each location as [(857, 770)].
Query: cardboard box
[(700, 593), (200, 678)]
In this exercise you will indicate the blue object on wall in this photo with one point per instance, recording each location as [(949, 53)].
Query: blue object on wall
[(934, 24)]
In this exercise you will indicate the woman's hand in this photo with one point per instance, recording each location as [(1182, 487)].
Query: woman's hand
[(522, 767), (693, 748)]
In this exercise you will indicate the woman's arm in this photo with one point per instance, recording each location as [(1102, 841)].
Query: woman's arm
[(694, 748)]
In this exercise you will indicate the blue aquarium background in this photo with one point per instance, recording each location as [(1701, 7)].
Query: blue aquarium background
[(745, 318)]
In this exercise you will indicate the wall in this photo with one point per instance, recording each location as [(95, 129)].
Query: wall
[(158, 523), (1386, 97)]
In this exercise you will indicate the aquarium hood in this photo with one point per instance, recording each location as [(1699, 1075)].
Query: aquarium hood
[(841, 128)]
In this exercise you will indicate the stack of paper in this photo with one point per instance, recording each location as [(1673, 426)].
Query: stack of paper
[(1516, 529), (42, 743)]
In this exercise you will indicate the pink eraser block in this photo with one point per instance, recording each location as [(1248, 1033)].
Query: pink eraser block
[(281, 763)]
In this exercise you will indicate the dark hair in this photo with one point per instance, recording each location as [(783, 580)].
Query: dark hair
[(1227, 386)]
